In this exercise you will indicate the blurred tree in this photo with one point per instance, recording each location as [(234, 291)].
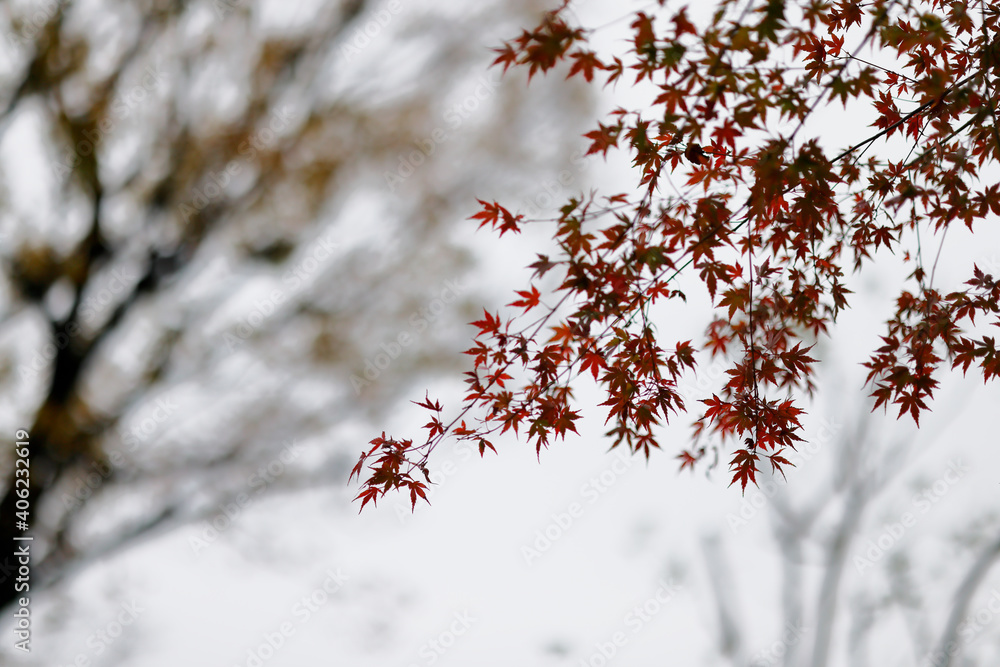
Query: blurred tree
[(223, 221), (863, 574)]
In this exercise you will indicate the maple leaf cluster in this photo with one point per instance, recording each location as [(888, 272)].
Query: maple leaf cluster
[(770, 221)]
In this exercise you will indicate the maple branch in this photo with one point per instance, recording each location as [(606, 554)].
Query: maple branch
[(937, 257), (986, 79), (840, 72), (923, 107), (950, 136), (432, 443), (884, 69), (805, 237)]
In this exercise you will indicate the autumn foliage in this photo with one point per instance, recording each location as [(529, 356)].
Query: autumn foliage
[(770, 220)]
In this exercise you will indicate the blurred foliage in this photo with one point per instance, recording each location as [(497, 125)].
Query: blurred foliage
[(213, 215)]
